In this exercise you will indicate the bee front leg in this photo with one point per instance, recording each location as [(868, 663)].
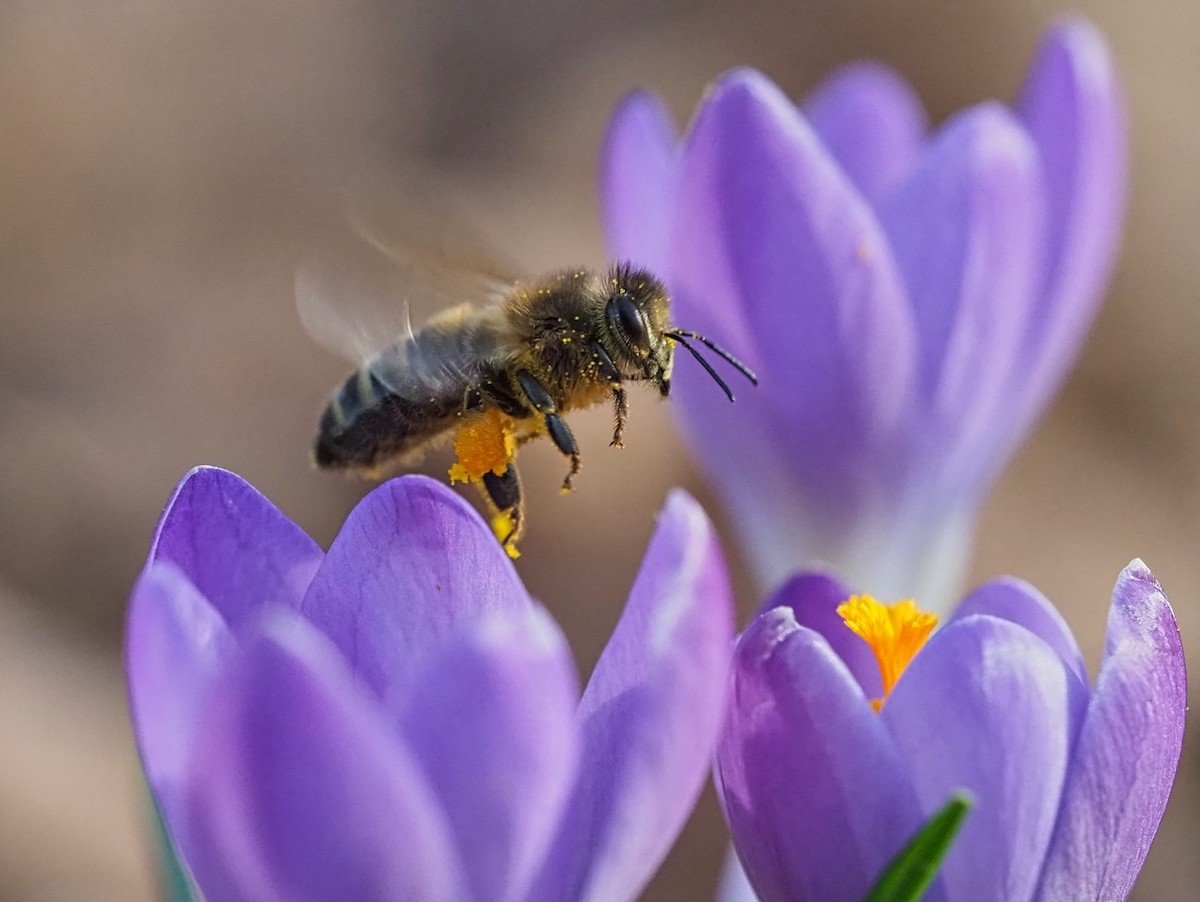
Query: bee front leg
[(560, 433), (620, 412), (620, 402)]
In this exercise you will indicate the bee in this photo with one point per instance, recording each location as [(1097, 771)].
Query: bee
[(496, 376)]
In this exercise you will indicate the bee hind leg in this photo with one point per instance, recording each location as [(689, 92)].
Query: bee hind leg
[(503, 496)]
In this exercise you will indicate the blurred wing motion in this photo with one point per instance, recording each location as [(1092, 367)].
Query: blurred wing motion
[(368, 298)]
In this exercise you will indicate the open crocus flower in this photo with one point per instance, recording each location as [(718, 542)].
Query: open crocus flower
[(910, 300), (826, 768), (396, 719)]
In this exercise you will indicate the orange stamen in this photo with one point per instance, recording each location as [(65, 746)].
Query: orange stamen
[(894, 633)]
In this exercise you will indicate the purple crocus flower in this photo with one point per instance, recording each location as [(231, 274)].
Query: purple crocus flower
[(911, 300), (396, 719), (1069, 780)]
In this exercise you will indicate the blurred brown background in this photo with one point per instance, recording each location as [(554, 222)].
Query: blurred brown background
[(166, 165)]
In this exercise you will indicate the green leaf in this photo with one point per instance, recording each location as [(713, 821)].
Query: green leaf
[(909, 874)]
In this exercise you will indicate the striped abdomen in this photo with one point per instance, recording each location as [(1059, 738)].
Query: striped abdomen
[(409, 394)]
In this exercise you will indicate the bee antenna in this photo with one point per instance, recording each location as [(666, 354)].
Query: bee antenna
[(718, 350), (704, 363)]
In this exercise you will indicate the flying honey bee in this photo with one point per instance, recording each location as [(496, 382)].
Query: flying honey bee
[(497, 375)]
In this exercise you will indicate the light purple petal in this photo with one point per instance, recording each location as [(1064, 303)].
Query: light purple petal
[(1072, 105), (299, 789), (492, 721), (1124, 763), (966, 231), (234, 545), (778, 256), (412, 564), (649, 716), (813, 599), (734, 885), (639, 168), (175, 645), (984, 707), (815, 792), (1016, 600), (871, 121)]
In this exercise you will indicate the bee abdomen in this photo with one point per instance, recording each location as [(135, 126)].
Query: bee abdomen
[(341, 439), (366, 423)]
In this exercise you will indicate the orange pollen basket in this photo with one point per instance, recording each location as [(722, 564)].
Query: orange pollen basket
[(894, 632), (483, 443)]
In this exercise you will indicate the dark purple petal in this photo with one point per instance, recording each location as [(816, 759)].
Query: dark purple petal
[(777, 255), (492, 721), (1124, 763), (639, 166), (1072, 105), (1016, 600), (871, 121), (649, 716), (813, 598), (300, 791), (966, 231), (175, 645), (234, 545), (984, 707), (413, 564), (816, 794)]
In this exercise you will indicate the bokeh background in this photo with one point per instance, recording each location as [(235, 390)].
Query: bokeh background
[(165, 167)]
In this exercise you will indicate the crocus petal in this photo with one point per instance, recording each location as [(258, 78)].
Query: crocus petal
[(1018, 601), (638, 172), (967, 233), (807, 263), (175, 645), (734, 885), (872, 122), (1124, 763), (816, 793), (300, 790), (770, 231), (234, 545), (492, 722), (412, 564), (813, 598), (1072, 105), (649, 717), (983, 707)]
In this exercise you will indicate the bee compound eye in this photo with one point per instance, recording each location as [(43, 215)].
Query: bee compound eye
[(625, 316)]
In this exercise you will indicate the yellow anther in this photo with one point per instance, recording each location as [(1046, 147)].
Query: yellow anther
[(894, 633)]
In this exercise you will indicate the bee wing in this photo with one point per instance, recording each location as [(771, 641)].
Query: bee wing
[(451, 250), (361, 293), (346, 321)]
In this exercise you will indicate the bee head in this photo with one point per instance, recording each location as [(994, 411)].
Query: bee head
[(636, 316)]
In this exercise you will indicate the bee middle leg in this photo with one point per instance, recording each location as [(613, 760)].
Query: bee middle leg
[(560, 433), (564, 440)]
